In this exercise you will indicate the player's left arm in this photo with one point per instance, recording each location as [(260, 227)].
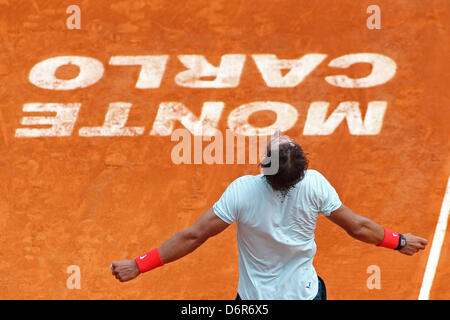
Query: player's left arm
[(367, 230), (181, 244)]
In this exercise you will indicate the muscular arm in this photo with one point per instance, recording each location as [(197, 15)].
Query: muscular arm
[(359, 227), (189, 239), (176, 247), (368, 231)]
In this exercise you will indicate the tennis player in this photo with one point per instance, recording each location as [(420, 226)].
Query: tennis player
[(276, 216)]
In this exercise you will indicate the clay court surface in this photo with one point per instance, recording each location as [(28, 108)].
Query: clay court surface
[(88, 201)]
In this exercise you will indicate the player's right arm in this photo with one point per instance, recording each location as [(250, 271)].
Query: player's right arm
[(367, 230)]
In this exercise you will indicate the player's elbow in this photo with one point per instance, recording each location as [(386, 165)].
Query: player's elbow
[(194, 237), (359, 229)]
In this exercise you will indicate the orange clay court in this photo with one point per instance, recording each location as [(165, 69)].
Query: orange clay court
[(68, 199)]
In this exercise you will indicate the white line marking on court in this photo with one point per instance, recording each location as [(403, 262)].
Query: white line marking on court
[(436, 246)]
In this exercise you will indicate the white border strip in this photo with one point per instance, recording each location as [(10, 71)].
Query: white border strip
[(436, 246)]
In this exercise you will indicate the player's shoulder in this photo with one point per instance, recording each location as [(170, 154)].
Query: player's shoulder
[(313, 177), (312, 174), (248, 178)]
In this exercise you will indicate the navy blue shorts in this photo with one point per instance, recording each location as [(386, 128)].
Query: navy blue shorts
[(321, 293)]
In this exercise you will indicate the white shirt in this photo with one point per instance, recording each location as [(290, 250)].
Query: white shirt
[(275, 234)]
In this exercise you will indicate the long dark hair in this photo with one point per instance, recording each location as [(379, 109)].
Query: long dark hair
[(292, 166)]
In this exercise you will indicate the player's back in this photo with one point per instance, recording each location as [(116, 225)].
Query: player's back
[(275, 234)]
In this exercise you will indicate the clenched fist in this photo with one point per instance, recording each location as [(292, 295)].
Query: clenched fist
[(413, 244), (125, 270)]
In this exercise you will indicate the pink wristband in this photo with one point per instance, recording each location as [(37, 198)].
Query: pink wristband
[(149, 261), (391, 239)]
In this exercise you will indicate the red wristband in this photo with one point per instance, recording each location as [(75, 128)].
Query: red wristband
[(149, 261), (391, 239)]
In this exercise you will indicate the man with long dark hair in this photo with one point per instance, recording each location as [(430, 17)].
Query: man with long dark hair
[(276, 215)]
